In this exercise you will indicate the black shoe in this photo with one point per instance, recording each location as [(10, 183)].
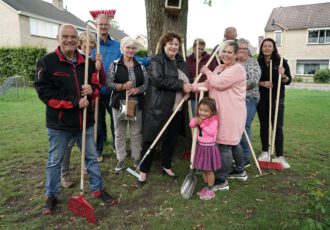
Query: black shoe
[(238, 175), (105, 197), (220, 185), (173, 177), (50, 205)]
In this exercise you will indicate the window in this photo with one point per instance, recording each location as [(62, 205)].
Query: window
[(319, 36), (305, 67), (278, 37), (43, 28)]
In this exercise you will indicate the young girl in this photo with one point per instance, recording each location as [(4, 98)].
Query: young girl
[(207, 157)]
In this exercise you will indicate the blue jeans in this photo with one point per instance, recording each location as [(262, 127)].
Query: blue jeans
[(58, 144), (227, 153), (251, 108)]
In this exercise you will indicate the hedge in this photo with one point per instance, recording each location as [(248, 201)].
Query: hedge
[(322, 76), (19, 61)]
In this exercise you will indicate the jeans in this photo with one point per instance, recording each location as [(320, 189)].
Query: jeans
[(251, 108), (228, 152), (66, 159), (120, 135), (58, 144), (104, 106)]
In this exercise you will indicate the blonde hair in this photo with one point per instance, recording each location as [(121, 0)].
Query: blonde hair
[(83, 36)]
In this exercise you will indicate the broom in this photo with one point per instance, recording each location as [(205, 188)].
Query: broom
[(77, 204), (110, 14)]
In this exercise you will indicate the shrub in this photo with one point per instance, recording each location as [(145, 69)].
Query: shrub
[(322, 76), (297, 79), (141, 53), (19, 61)]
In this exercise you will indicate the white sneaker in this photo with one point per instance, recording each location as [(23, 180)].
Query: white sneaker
[(281, 160), (264, 156)]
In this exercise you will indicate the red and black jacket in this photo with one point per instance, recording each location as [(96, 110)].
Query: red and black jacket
[(58, 83)]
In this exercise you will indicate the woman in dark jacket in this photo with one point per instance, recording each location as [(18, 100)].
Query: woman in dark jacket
[(268, 51), (169, 84)]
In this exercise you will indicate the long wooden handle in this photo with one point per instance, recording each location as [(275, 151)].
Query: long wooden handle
[(96, 100), (83, 144), (270, 108), (252, 151), (278, 94), (194, 140), (174, 113)]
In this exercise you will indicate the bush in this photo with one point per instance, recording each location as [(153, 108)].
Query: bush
[(322, 76), (297, 79), (141, 53), (19, 61)]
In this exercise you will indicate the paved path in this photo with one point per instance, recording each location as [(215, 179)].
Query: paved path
[(314, 86)]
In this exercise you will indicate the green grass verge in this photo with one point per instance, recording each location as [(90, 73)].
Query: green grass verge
[(297, 198)]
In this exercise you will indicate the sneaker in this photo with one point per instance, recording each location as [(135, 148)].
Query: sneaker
[(220, 185), (50, 205), (207, 195), (136, 163), (240, 176), (264, 156), (200, 192), (66, 181), (100, 158), (105, 197), (281, 160), (120, 166)]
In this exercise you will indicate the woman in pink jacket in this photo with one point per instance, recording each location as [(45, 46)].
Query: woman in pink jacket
[(227, 85)]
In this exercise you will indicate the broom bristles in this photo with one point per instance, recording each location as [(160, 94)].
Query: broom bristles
[(270, 165), (109, 13), (79, 206)]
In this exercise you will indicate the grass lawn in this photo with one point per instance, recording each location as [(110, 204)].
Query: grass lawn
[(297, 198)]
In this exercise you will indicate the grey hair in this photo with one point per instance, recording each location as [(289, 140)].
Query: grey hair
[(128, 41), (67, 25), (243, 41)]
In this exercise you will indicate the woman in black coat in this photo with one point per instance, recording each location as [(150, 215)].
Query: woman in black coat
[(168, 85)]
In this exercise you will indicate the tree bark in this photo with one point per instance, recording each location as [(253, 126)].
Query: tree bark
[(160, 22)]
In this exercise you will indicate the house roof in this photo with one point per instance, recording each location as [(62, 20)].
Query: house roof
[(300, 17), (44, 9)]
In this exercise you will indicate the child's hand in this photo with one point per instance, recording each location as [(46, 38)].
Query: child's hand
[(198, 120)]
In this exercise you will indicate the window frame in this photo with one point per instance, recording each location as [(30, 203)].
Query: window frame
[(326, 40)]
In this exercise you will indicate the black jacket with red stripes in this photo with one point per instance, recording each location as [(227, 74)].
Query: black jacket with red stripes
[(58, 83)]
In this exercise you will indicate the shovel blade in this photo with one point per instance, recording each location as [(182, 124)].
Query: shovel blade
[(188, 186), (80, 207)]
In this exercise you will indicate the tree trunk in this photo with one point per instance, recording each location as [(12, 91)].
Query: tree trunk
[(160, 22)]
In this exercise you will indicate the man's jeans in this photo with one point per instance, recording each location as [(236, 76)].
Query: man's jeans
[(227, 153), (58, 144), (251, 108)]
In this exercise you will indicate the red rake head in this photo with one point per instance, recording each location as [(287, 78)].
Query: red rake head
[(109, 13), (79, 206)]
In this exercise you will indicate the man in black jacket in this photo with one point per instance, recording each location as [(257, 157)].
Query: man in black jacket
[(59, 82)]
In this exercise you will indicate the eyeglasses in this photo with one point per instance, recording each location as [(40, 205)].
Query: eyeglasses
[(243, 48)]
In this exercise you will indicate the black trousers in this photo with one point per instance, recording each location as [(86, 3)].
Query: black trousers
[(263, 111), (169, 140), (104, 107)]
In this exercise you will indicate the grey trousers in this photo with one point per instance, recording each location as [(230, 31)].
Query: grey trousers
[(120, 135), (227, 153)]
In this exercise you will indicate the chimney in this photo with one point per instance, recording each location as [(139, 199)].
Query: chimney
[(58, 4)]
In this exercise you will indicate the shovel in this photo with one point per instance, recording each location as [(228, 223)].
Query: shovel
[(77, 204), (189, 183)]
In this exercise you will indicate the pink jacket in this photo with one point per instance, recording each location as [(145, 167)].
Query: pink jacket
[(228, 88), (209, 128)]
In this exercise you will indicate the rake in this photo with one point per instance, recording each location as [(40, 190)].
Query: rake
[(77, 204)]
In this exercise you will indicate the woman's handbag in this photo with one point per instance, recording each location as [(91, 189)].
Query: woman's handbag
[(127, 109)]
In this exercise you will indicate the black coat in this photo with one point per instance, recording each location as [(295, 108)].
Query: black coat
[(160, 96)]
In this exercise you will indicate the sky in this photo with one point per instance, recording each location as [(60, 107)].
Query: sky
[(249, 17)]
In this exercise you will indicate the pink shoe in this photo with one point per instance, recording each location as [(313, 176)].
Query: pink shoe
[(201, 191), (207, 195)]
